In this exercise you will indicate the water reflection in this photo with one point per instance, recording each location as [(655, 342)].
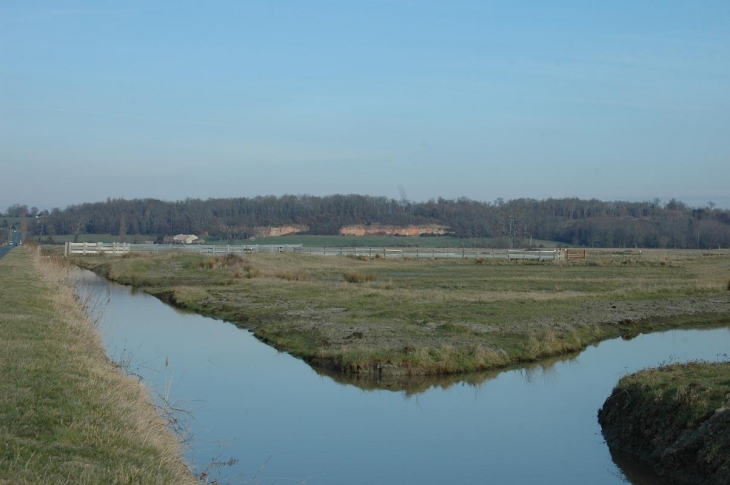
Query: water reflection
[(544, 370), (535, 424), (635, 471)]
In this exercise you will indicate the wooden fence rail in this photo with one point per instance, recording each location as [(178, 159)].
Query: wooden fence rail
[(117, 249)]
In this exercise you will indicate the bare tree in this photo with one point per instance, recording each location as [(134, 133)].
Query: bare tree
[(23, 227), (123, 228)]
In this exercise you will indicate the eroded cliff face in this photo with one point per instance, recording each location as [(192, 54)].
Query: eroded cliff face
[(273, 231), (363, 230)]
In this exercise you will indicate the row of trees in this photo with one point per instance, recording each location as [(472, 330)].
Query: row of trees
[(573, 221)]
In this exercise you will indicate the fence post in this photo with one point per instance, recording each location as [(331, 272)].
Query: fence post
[(65, 249)]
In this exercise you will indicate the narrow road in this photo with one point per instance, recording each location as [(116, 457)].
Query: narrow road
[(4, 250)]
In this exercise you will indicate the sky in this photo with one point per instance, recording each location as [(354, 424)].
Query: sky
[(619, 100)]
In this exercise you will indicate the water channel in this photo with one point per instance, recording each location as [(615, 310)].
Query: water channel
[(286, 423)]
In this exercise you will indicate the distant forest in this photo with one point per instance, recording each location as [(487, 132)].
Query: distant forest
[(572, 221)]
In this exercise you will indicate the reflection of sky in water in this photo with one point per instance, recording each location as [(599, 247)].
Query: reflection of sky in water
[(522, 426)]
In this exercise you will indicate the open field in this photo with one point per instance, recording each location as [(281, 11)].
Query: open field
[(106, 238), (325, 241), (67, 414), (676, 418), (395, 317), (383, 241)]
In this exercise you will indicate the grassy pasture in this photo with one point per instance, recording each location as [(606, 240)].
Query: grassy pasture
[(400, 316), (324, 241), (67, 414), (383, 241), (93, 238)]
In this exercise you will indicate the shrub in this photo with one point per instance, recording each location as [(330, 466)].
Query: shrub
[(209, 263), (728, 285), (355, 277), (230, 259)]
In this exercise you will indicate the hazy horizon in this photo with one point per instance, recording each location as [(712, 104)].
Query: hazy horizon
[(723, 203), (620, 101)]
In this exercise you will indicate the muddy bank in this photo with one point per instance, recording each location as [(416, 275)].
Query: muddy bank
[(676, 419)]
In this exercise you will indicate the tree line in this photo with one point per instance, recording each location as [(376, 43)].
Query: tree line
[(573, 221)]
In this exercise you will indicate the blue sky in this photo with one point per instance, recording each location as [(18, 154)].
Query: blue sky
[(627, 100)]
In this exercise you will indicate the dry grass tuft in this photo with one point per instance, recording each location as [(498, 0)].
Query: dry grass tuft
[(357, 277), (251, 271), (293, 276)]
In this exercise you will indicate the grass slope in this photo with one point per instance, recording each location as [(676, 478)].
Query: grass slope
[(67, 415), (677, 418), (400, 316)]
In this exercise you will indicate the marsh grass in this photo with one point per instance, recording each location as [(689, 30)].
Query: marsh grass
[(67, 414), (293, 276), (676, 417), (357, 277), (515, 311)]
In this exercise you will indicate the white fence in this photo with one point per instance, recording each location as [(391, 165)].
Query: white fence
[(475, 253), (122, 248)]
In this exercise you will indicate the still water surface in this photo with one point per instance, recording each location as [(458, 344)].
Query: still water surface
[(288, 424)]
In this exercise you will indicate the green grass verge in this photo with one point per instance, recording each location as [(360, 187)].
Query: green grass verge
[(434, 316), (67, 414)]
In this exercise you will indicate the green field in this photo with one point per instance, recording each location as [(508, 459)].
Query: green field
[(325, 241), (67, 414), (106, 238), (400, 316), (387, 241)]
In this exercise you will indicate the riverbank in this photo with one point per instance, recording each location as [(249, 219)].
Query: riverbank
[(676, 418), (375, 317), (67, 414)]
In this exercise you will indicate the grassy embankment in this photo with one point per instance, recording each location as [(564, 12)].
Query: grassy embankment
[(676, 418), (67, 414), (435, 316)]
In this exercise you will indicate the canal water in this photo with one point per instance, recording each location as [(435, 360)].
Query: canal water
[(285, 423)]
